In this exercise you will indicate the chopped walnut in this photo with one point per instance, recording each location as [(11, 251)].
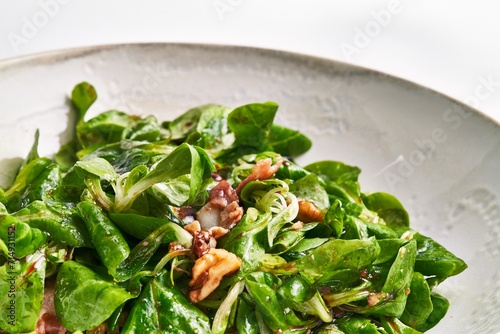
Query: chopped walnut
[(231, 215), (221, 213), (193, 227), (185, 213), (223, 194), (308, 212), (201, 243), (208, 271), (174, 246), (217, 232), (204, 240), (222, 208), (262, 170)]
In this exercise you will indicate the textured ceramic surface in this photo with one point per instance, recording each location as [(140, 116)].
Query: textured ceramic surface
[(438, 156)]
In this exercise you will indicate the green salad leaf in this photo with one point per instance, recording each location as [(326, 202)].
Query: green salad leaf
[(22, 285), (205, 223)]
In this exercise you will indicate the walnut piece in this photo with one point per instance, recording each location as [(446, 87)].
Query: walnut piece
[(217, 232), (231, 215), (193, 227), (204, 240), (222, 208), (208, 271)]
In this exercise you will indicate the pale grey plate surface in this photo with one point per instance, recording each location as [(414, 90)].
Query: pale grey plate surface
[(438, 156)]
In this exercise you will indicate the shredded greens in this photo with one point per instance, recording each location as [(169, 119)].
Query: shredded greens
[(205, 224)]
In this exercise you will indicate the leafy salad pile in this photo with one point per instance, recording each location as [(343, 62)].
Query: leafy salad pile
[(115, 221)]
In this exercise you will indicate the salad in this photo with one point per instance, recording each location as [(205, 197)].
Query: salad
[(205, 224)]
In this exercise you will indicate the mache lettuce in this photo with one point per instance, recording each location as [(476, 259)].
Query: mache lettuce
[(105, 220)]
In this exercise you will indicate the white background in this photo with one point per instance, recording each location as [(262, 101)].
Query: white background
[(452, 46)]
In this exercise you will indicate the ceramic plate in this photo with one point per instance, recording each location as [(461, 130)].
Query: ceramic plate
[(438, 156)]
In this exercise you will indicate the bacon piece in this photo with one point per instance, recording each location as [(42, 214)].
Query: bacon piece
[(308, 212), (262, 170), (49, 323), (208, 271)]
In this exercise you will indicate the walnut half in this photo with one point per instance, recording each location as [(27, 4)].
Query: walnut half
[(208, 271)]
